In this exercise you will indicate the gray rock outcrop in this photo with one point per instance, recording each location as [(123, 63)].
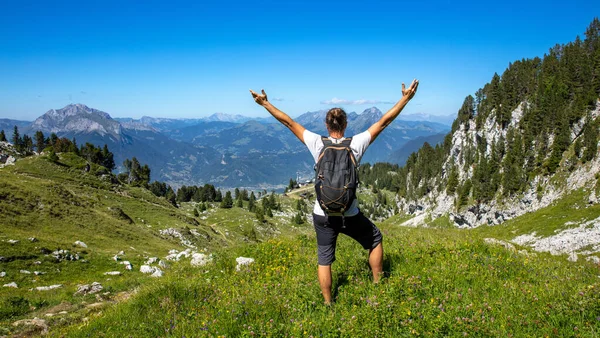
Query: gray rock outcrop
[(47, 288), (80, 244), (88, 289), (242, 262), (200, 259)]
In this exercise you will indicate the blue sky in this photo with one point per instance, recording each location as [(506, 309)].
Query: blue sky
[(178, 59)]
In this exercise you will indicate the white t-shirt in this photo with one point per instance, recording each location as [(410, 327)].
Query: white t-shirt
[(359, 145)]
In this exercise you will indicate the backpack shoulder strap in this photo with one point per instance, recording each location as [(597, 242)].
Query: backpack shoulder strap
[(347, 142), (326, 141)]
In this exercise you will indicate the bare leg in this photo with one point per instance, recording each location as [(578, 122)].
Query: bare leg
[(375, 261), (324, 273)]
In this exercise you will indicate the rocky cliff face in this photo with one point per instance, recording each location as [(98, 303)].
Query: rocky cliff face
[(540, 192)]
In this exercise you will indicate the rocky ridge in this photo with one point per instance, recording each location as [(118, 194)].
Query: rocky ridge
[(437, 204)]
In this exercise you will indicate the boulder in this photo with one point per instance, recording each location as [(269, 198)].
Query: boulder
[(65, 255), (572, 257), (174, 255), (46, 288), (88, 289), (10, 285), (162, 264), (13, 241), (38, 273), (127, 264), (40, 324), (26, 272), (592, 199), (200, 259), (33, 239), (157, 273), (80, 244), (593, 259), (2, 274), (112, 273), (146, 269), (151, 260), (243, 261)]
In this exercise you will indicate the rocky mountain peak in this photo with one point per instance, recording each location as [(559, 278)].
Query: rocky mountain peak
[(77, 118), (372, 112), (76, 109), (223, 117)]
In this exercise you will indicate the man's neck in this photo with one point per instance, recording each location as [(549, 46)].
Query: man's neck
[(335, 134)]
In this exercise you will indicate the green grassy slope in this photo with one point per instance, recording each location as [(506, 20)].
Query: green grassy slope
[(58, 204), (440, 282)]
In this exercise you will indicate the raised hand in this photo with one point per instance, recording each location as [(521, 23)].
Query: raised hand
[(258, 98), (410, 92)]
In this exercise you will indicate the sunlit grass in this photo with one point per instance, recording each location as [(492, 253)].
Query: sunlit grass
[(439, 282)]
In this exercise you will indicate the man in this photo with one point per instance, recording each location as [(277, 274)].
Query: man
[(353, 223)]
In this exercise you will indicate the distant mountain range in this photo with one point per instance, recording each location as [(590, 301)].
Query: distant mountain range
[(225, 150), (443, 119), (8, 125)]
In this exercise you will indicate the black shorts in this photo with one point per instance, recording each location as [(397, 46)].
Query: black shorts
[(358, 227)]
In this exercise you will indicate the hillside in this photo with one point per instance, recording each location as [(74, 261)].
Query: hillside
[(528, 138), (439, 282), (64, 227)]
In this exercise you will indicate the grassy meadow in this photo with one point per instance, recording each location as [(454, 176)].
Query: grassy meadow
[(438, 281)]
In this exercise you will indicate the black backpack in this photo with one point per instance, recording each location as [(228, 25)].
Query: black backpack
[(336, 177)]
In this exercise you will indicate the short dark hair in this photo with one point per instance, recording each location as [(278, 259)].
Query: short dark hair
[(336, 119)]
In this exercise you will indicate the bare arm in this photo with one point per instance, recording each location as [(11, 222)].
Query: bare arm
[(282, 117), (389, 117)]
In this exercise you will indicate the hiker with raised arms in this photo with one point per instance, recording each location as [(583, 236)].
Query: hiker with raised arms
[(337, 158)]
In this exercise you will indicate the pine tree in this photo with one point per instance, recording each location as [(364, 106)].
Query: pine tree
[(467, 111), (170, 196), (108, 160), (240, 203), (27, 144), (74, 148), (260, 215), (298, 218), (2, 136), (236, 194), (299, 205), (218, 196), (590, 141), (452, 181), (227, 202), (463, 194), (272, 201), (53, 139), (16, 139), (251, 202), (560, 144), (40, 141), (202, 207)]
